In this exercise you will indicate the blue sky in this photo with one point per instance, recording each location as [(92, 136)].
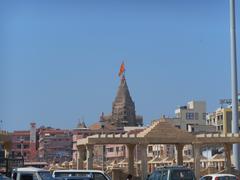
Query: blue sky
[(59, 59)]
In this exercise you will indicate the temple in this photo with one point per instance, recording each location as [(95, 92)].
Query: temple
[(123, 109)]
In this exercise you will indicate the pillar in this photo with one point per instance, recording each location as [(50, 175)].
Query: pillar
[(196, 149), (89, 148), (143, 150), (227, 149), (179, 148), (80, 156), (131, 158)]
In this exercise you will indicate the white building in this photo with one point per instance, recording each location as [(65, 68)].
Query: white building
[(190, 117), (194, 113)]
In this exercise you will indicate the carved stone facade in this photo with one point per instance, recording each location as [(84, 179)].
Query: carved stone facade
[(123, 109)]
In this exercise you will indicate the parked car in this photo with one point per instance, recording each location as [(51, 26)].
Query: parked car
[(74, 178), (94, 174), (31, 173), (172, 173), (219, 177)]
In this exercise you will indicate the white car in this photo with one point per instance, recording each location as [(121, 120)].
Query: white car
[(94, 174), (219, 177), (31, 173)]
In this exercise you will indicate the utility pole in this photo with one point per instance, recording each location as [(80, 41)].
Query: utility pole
[(103, 146), (21, 141), (235, 124)]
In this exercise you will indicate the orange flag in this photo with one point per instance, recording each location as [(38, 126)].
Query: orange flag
[(122, 69)]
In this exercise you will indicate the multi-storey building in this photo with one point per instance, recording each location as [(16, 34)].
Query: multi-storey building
[(42, 144), (222, 119), (24, 144), (194, 113), (191, 117), (55, 145)]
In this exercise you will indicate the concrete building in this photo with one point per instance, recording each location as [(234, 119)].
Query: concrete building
[(222, 119), (24, 144), (42, 144), (190, 117), (55, 145), (194, 113)]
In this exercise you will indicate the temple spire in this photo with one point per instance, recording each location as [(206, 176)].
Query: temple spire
[(123, 107), (123, 94)]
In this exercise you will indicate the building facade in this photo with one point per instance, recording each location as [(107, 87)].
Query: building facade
[(123, 109), (222, 119), (191, 118), (194, 113), (55, 145), (24, 144)]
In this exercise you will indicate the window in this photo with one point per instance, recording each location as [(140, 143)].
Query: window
[(204, 116), (45, 175), (98, 176), (192, 129), (221, 127), (206, 178), (165, 175), (110, 149), (181, 174), (26, 177), (27, 138), (189, 116), (155, 175), (150, 148)]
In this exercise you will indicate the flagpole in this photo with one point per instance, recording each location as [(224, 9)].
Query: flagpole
[(235, 124)]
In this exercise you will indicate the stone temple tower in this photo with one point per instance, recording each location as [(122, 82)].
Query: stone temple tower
[(123, 108)]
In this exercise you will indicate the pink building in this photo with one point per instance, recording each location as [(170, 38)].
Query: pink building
[(24, 144), (55, 145)]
